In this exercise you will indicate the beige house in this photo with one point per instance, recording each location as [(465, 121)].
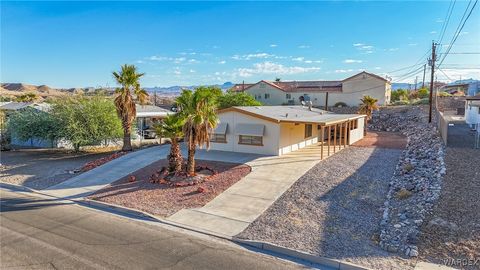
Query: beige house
[(348, 91), (277, 130)]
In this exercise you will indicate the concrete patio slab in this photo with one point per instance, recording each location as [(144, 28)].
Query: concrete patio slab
[(259, 188)]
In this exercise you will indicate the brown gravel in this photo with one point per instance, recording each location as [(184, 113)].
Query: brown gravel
[(458, 203), (161, 200)]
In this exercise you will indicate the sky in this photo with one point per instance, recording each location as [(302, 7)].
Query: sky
[(79, 44)]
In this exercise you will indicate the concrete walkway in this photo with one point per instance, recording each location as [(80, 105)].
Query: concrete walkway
[(95, 179), (233, 210)]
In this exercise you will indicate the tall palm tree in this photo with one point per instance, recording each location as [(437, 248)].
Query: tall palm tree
[(199, 111), (368, 105), (172, 127), (129, 80)]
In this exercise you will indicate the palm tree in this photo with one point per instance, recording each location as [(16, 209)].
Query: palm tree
[(368, 105), (199, 111), (172, 127), (128, 78)]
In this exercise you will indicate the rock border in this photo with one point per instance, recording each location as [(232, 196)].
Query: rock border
[(416, 183)]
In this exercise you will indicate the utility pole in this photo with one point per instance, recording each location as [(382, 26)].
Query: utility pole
[(432, 65), (423, 81), (416, 78), (155, 98)]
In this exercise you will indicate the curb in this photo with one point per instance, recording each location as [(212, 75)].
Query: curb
[(295, 254), (144, 215), (336, 264)]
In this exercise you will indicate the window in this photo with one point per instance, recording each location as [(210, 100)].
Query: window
[(267, 96), (258, 96), (288, 96), (308, 131), (218, 138), (250, 140)]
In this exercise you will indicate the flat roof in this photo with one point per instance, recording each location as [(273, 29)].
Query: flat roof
[(151, 111), (294, 114)]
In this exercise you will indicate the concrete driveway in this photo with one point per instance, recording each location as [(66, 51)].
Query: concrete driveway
[(233, 210)]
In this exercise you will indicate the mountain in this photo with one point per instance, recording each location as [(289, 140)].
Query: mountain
[(177, 89), (408, 86)]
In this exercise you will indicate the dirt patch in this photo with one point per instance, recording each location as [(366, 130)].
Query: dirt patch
[(41, 168), (163, 200), (393, 140), (452, 232)]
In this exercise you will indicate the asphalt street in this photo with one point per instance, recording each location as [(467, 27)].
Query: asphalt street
[(38, 233)]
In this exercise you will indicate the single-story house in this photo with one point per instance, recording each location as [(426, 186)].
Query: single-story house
[(147, 116), (277, 130), (320, 93)]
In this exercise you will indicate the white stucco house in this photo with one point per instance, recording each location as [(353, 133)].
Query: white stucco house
[(277, 130), (472, 110), (320, 93)]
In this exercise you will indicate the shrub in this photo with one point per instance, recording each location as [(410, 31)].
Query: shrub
[(400, 94), (422, 101), (340, 104), (444, 94), (230, 99), (403, 194), (423, 92), (401, 102)]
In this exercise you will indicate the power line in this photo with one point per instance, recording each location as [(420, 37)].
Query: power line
[(447, 19), (459, 29)]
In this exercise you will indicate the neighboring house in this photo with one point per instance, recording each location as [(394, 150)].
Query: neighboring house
[(147, 117), (277, 130), (348, 91), (472, 110)]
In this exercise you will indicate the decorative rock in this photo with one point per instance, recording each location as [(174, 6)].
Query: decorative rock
[(132, 178)]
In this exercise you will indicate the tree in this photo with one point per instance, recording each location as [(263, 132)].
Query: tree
[(366, 107), (172, 127), (231, 99), (30, 123), (87, 120), (198, 109), (129, 79)]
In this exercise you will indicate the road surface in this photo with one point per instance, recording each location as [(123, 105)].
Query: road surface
[(36, 233)]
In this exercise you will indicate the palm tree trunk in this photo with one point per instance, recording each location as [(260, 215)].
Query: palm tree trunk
[(175, 157), (191, 156), (127, 141)]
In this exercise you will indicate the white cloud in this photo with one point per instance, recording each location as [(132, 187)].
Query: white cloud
[(439, 20), (455, 74), (252, 56), (222, 62), (358, 44), (140, 62), (192, 71), (392, 49), (351, 61), (299, 59), (273, 45), (463, 33), (193, 61), (304, 46), (412, 44), (179, 60), (364, 48), (433, 32), (273, 68), (158, 58), (343, 70), (377, 68)]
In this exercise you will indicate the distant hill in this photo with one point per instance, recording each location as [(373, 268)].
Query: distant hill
[(176, 90)]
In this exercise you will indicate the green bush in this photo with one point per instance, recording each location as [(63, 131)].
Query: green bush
[(401, 102), (231, 99), (423, 93)]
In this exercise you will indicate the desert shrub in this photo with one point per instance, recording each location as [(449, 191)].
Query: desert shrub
[(420, 101), (401, 102), (423, 93), (403, 194), (400, 94), (340, 104), (444, 94)]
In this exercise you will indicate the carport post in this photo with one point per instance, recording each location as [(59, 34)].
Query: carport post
[(322, 135), (329, 135), (340, 138), (335, 138), (345, 135)]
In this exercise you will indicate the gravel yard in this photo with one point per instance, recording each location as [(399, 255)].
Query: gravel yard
[(453, 230), (163, 200), (334, 210), (41, 168)]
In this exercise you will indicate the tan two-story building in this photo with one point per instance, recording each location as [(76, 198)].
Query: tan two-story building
[(320, 93)]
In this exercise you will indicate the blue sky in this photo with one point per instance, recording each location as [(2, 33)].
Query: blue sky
[(75, 44)]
